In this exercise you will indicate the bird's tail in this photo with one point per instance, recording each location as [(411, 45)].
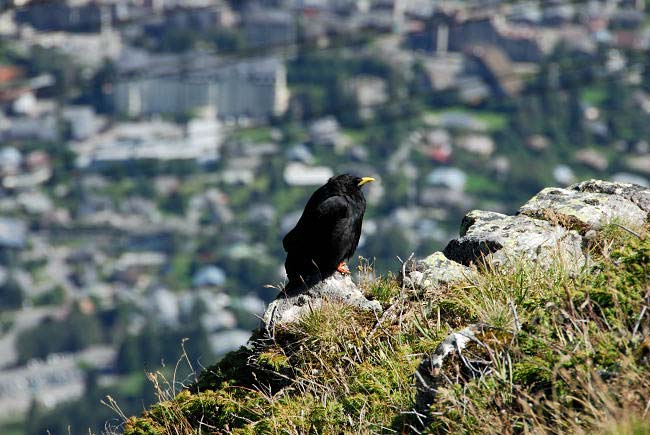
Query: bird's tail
[(302, 272)]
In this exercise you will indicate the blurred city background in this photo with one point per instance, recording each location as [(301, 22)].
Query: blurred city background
[(154, 152)]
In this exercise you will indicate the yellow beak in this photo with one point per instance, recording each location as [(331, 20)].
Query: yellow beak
[(365, 180)]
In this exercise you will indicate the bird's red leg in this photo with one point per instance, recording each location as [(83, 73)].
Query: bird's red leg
[(343, 268)]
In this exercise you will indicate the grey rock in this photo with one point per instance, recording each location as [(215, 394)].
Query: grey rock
[(583, 210), (501, 239), (431, 373), (435, 270), (290, 307), (639, 195)]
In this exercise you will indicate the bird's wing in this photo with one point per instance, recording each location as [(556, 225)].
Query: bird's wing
[(316, 223), (332, 209)]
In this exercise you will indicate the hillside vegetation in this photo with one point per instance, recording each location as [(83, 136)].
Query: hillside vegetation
[(559, 352)]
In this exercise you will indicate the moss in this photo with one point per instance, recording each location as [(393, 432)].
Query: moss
[(142, 426), (231, 370), (533, 371), (274, 357)]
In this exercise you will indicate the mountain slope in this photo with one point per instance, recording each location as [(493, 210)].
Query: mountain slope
[(544, 347)]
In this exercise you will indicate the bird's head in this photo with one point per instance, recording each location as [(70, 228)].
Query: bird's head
[(350, 182)]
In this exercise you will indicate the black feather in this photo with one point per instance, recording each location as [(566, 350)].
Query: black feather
[(328, 231)]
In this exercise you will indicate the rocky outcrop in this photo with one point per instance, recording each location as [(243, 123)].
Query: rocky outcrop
[(583, 211), (499, 239), (290, 307), (639, 195), (433, 271), (549, 225), (552, 224)]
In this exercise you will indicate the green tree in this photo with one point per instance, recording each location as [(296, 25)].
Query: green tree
[(11, 295), (129, 358), (75, 332), (174, 203)]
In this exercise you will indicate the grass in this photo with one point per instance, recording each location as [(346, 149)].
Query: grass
[(179, 273), (594, 96), (494, 121), (561, 353), (482, 186), (12, 427), (357, 135), (253, 134)]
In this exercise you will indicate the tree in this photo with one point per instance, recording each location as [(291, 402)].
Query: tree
[(175, 203), (129, 358), (102, 88), (11, 295), (77, 331)]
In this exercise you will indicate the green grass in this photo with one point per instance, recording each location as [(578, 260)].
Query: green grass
[(179, 274), (253, 134), (12, 428), (594, 96), (357, 135), (481, 185), (494, 121), (565, 352)]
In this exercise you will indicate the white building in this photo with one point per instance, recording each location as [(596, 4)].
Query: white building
[(254, 89), (199, 140), (298, 174), (87, 49)]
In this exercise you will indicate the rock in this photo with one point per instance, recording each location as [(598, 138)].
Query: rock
[(427, 375), (433, 271), (290, 307), (502, 239), (639, 195), (462, 355), (583, 211)]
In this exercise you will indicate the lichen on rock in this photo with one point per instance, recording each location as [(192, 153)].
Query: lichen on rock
[(290, 307), (462, 355), (500, 240), (583, 210), (639, 195), (433, 271)]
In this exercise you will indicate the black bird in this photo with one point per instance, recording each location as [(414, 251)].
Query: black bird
[(327, 233)]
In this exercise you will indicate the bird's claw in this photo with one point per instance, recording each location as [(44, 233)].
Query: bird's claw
[(343, 268)]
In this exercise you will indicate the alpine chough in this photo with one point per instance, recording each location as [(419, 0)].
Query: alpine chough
[(328, 231)]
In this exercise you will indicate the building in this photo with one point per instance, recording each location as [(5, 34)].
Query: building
[(455, 30), (496, 69), (386, 15), (269, 27), (44, 127), (200, 140), (442, 71), (298, 174), (369, 92), (255, 89), (87, 49), (59, 378), (59, 15), (82, 121)]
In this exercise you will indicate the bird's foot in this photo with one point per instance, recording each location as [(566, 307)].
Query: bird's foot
[(343, 268)]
